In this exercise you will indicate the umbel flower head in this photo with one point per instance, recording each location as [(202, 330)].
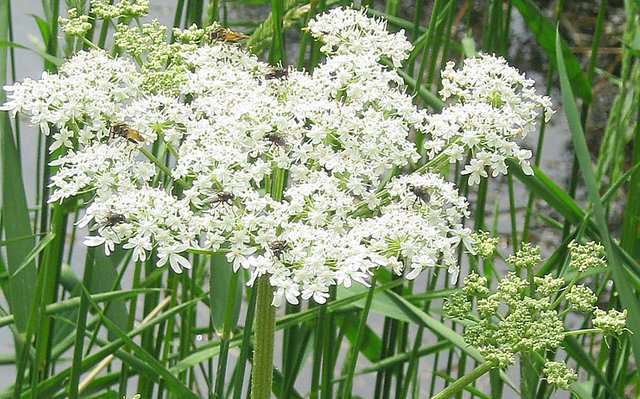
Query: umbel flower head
[(491, 104), (516, 318), (291, 175)]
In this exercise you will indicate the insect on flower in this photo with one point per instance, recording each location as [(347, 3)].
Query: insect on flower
[(276, 139), (420, 192), (277, 247), (276, 73), (223, 197), (125, 131), (226, 35), (111, 219)]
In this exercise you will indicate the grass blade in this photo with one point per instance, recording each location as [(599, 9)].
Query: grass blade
[(175, 385), (549, 39), (628, 298)]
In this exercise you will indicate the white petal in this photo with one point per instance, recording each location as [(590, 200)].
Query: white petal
[(94, 241)]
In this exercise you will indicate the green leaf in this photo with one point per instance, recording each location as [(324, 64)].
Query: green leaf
[(43, 27), (221, 277), (57, 61), (545, 34), (469, 47), (32, 254), (549, 191), (15, 215), (584, 360), (52, 384), (371, 343), (103, 279), (74, 302)]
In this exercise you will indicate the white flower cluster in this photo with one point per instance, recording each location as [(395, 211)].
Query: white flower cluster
[(352, 33), (122, 9), (288, 173), (105, 168), (81, 100), (492, 105)]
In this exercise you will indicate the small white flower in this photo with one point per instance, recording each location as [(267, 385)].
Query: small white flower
[(237, 256), (171, 254), (141, 245)]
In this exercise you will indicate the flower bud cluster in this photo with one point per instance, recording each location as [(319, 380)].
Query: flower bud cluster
[(586, 256), (122, 9), (484, 244), (581, 298), (76, 25), (611, 322), (559, 375), (516, 318), (526, 257)]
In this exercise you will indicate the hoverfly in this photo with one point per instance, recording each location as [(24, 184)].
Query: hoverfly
[(277, 247), (225, 35), (420, 192), (125, 131), (276, 139), (276, 73)]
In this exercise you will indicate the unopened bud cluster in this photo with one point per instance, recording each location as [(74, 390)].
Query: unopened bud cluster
[(516, 318)]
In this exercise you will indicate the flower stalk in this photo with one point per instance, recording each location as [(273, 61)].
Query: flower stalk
[(461, 383), (262, 372)]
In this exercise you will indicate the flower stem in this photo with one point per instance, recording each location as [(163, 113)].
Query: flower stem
[(162, 166), (582, 332), (461, 383), (262, 373)]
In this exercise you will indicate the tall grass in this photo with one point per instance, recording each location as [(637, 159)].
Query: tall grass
[(86, 325)]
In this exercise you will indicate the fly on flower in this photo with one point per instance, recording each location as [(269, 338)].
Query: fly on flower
[(276, 73), (125, 131), (276, 139), (277, 247), (222, 197), (110, 220), (226, 35), (420, 192)]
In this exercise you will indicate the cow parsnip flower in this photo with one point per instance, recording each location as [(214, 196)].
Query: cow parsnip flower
[(228, 129), (491, 105)]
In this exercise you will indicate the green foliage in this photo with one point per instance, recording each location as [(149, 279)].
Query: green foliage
[(107, 325)]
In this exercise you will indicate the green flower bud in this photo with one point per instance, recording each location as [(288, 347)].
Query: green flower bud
[(559, 375), (581, 298), (526, 257), (586, 256), (547, 286), (484, 244), (511, 288), (612, 322), (457, 306), (476, 285), (76, 25), (488, 307)]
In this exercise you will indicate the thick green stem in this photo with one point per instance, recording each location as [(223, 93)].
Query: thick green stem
[(462, 383), (262, 374)]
